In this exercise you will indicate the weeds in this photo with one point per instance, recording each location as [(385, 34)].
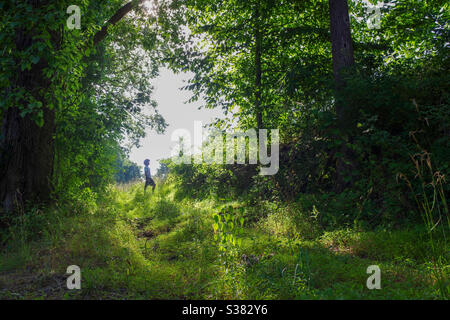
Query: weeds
[(431, 201), (136, 246)]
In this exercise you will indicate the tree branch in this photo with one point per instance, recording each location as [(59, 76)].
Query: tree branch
[(123, 11)]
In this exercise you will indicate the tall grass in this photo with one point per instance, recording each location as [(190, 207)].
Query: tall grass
[(432, 204), (155, 246)]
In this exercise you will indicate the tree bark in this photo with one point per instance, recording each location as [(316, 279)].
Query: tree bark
[(343, 58), (28, 153), (341, 44)]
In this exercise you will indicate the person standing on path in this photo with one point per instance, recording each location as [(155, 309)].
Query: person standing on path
[(148, 176)]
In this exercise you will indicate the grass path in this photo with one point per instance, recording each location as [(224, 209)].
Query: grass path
[(136, 246)]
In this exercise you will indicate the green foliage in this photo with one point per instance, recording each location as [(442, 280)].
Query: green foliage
[(215, 180), (115, 87), (399, 86), (158, 247), (227, 227), (97, 93), (257, 60), (127, 171)]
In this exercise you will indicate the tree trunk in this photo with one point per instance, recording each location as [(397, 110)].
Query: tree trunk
[(27, 151), (27, 159), (342, 52), (341, 44)]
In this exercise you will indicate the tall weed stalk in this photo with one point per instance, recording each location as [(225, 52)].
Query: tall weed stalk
[(429, 195)]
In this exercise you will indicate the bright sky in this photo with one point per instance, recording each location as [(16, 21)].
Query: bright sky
[(178, 115)]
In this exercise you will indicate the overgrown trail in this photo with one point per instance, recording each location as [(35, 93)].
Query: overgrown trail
[(161, 246)]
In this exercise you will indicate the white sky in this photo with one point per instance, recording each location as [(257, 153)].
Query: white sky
[(178, 115)]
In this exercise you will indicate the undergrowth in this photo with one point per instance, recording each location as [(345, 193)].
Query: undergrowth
[(132, 245)]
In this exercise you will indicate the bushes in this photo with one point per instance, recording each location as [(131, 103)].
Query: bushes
[(218, 181), (126, 171), (392, 116)]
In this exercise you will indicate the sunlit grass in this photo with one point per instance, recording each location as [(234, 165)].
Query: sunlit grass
[(151, 246)]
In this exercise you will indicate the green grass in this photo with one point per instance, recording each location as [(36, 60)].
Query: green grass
[(136, 246)]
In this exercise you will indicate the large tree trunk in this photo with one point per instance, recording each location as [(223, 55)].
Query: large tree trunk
[(27, 157), (341, 44), (27, 151), (342, 52)]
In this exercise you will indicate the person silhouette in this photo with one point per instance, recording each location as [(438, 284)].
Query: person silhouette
[(148, 176)]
